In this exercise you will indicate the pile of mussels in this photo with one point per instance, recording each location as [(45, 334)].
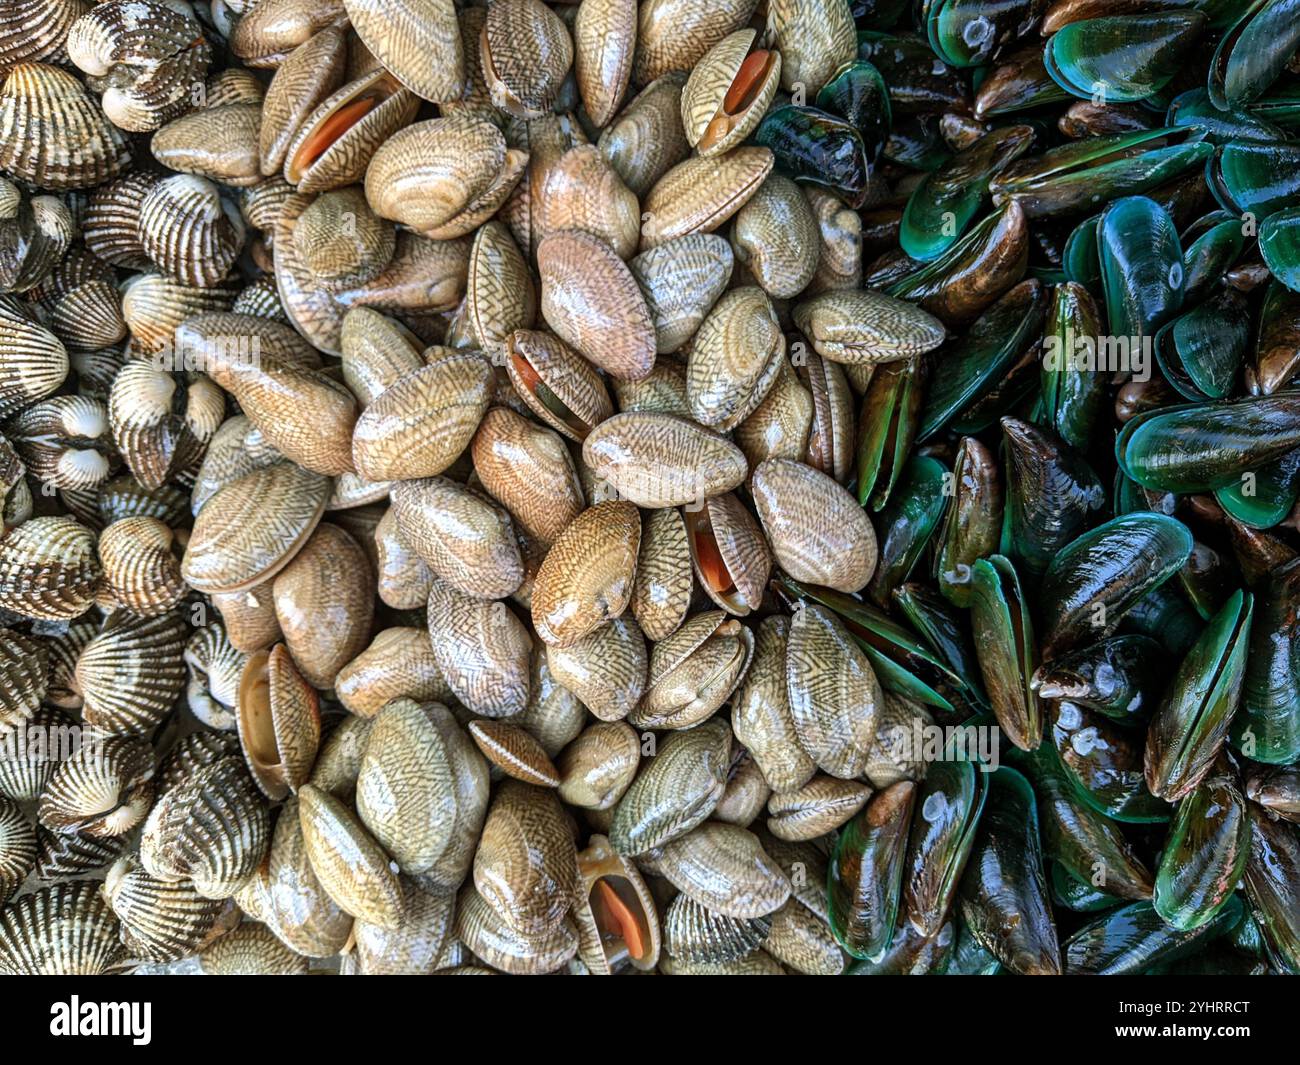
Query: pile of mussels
[(697, 486)]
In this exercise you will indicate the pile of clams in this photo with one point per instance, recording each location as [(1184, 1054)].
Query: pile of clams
[(679, 486)]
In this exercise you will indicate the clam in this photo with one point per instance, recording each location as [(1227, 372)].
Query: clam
[(142, 565), (661, 588), (862, 326), (57, 136), (418, 40), (252, 949), (482, 929), (330, 577), (48, 569), (606, 669), (218, 143), (17, 849), (311, 72), (399, 663), (336, 142), (131, 674), (514, 751), (443, 177), (341, 242), (349, 864), (646, 139), (278, 717), (376, 352), (761, 715), (698, 195), (616, 915), (661, 460), (296, 907), (62, 440), (463, 537), (414, 949), (404, 579), (728, 92), (725, 868), (526, 51), (816, 530), (676, 34), (422, 790), (161, 919), (560, 386), (482, 649), (592, 302), (499, 293), (420, 424), (24, 667), (63, 930), (604, 36), (693, 671), (269, 31), (597, 767), (681, 280), (736, 355), (234, 548), (33, 361)]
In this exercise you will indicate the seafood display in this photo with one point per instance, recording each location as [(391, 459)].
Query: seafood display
[(681, 487)]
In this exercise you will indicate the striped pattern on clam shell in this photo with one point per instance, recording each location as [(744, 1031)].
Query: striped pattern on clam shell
[(251, 528), (17, 849), (188, 230), (161, 920), (24, 677), (251, 950), (132, 673), (48, 569), (213, 827), (52, 134), (153, 305), (142, 566), (111, 224), (33, 361), (65, 854), (29, 757), (192, 753), (215, 666), (88, 317), (63, 930), (63, 441), (36, 29), (104, 789), (694, 933)]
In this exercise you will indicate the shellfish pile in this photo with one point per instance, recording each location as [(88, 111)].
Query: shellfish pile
[(680, 486)]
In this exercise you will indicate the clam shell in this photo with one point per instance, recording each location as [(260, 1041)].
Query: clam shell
[(249, 617), (526, 865), (606, 669), (503, 947), (153, 306), (218, 143), (724, 530), (422, 788), (251, 528), (820, 806), (251, 950), (419, 425), (278, 718), (817, 530), (341, 242), (298, 910), (613, 897), (559, 386), (462, 536), (104, 789), (310, 73), (593, 303), (269, 30), (735, 358), (161, 920), (26, 762), (698, 195), (775, 235), (191, 753), (693, 933), (52, 134), (761, 716), (377, 351), (48, 569), (62, 854), (404, 578), (415, 949), (526, 51), (215, 666), (710, 126), (141, 565), (661, 592), (693, 671), (604, 36), (675, 790), (647, 139), (681, 280), (17, 849), (857, 326), (660, 460), (582, 191), (63, 930), (599, 766), (725, 868), (676, 34), (835, 698), (324, 601), (24, 677), (36, 29), (399, 663), (443, 177), (88, 317), (418, 40), (586, 578), (482, 649), (187, 230), (131, 674), (351, 866), (33, 361), (802, 941), (515, 752), (529, 471)]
